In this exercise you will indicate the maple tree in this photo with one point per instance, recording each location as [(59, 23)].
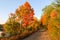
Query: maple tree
[(26, 13), (22, 21)]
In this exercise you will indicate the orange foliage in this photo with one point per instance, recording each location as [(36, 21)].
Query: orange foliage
[(27, 19), (27, 5), (26, 13), (43, 19), (53, 14), (49, 27)]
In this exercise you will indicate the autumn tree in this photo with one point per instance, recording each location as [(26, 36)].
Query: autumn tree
[(51, 18), (12, 27), (26, 13), (22, 22)]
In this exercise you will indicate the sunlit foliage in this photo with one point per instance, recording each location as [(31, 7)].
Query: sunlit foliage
[(51, 18)]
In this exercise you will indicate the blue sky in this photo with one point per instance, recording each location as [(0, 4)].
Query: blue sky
[(9, 6)]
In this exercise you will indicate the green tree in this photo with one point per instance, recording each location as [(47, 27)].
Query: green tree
[(11, 26)]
